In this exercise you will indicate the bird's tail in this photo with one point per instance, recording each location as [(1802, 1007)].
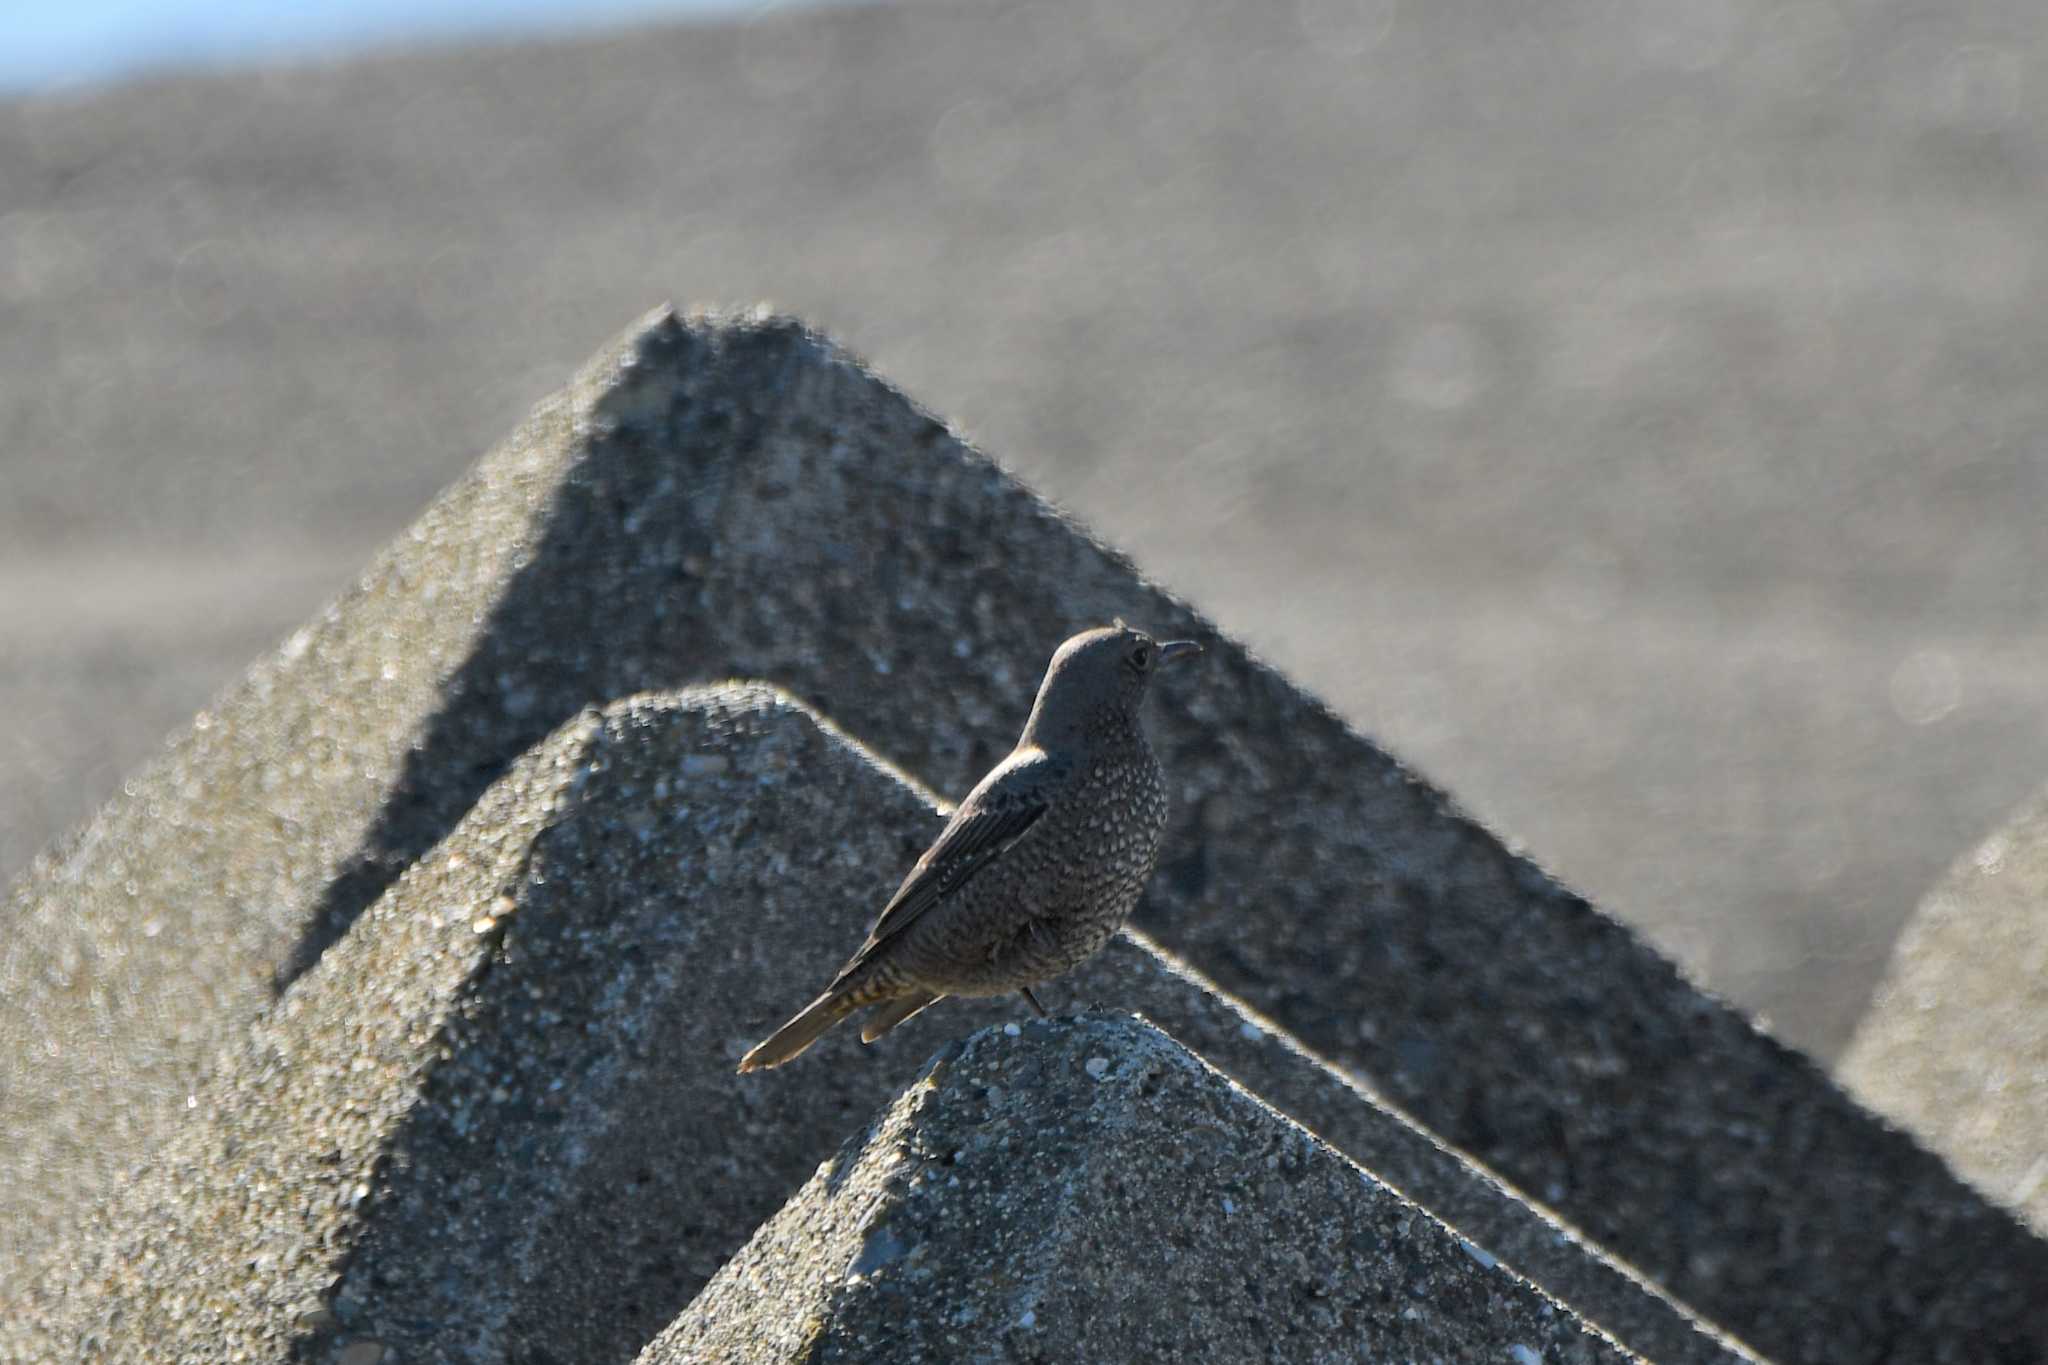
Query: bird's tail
[(895, 1012), (799, 1033)]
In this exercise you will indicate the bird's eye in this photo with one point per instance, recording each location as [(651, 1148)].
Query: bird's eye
[(1141, 656)]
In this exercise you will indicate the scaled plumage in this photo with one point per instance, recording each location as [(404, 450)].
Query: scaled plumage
[(1038, 867)]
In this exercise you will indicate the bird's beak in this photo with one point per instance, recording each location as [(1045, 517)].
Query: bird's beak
[(1170, 650)]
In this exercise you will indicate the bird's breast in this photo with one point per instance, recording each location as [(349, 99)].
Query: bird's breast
[(1115, 818)]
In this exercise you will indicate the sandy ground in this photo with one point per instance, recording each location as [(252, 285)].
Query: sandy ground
[(1629, 414)]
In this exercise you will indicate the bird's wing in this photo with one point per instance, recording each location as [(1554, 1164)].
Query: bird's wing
[(995, 815)]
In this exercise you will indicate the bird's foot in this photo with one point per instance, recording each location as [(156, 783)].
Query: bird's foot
[(1025, 991)]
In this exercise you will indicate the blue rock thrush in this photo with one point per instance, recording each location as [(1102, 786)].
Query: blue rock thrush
[(1039, 866)]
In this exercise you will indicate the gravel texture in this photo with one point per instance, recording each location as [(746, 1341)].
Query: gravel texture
[(1955, 1048), (738, 498), (1086, 1190)]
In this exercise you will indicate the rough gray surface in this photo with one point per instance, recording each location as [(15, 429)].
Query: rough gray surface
[(1084, 1190), (1955, 1047), (1631, 414), (500, 1117), (712, 500)]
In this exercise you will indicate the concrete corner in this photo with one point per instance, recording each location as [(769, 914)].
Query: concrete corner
[(1084, 1189), (1955, 1046)]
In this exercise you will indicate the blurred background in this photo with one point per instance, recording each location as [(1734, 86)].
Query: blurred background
[(1629, 413)]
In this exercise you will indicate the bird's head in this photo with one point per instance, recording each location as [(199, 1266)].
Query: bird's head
[(1098, 679)]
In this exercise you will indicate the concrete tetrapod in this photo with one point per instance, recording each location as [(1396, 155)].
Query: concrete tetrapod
[(499, 1118), (735, 496), (1955, 1046), (1084, 1190)]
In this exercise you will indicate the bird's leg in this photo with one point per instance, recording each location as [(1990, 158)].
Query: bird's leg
[(1033, 932)]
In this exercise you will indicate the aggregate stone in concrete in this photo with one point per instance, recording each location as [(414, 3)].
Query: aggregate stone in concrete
[(499, 1120), (1955, 1047), (1085, 1190), (736, 497)]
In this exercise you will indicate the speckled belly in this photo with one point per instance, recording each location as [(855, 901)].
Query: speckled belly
[(1034, 950), (1053, 898)]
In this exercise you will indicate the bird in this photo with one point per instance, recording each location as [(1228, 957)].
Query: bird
[(1036, 869)]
